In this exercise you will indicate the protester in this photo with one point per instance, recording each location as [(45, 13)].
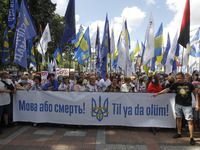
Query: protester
[(183, 103), (141, 87), (23, 84), (37, 86), (154, 86), (171, 80), (66, 85), (114, 87), (103, 84), (52, 84), (92, 86), (59, 79), (79, 87), (6, 88), (128, 86)]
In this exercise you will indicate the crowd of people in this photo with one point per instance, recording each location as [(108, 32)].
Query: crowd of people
[(91, 82)]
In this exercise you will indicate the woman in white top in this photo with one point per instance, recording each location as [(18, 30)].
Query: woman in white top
[(65, 85), (79, 87), (92, 86)]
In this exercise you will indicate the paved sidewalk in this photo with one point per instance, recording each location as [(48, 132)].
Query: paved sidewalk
[(57, 137)]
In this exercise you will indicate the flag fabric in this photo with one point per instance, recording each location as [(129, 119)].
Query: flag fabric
[(83, 51), (79, 36), (123, 50), (198, 51), (135, 50), (93, 40), (174, 67), (158, 44), (115, 55), (30, 53), (70, 23), (185, 55), (163, 62), (43, 44), (12, 13), (55, 63), (25, 31), (149, 41), (196, 37), (170, 57), (112, 45), (5, 54), (192, 63), (143, 50), (97, 48), (184, 36), (105, 48), (192, 51), (58, 55)]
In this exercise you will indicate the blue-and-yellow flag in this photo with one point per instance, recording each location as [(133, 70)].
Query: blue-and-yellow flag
[(12, 13), (163, 62), (79, 36), (5, 49), (115, 55), (31, 53), (58, 55), (158, 43), (83, 51), (25, 31), (135, 50)]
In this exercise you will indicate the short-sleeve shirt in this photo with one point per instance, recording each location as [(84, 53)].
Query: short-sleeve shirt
[(183, 93)]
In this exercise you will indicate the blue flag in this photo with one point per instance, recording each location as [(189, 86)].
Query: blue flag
[(31, 53), (25, 31), (58, 55), (5, 49), (105, 48), (83, 52), (12, 13), (70, 27), (97, 48), (163, 62), (79, 36)]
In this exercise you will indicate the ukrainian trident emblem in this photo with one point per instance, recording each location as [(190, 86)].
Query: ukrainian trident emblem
[(100, 111)]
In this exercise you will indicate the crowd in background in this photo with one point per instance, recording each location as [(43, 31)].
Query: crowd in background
[(87, 82)]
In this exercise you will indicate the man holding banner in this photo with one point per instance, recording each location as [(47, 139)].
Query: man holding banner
[(183, 103)]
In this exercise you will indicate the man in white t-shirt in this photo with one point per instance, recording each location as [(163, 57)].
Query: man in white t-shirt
[(5, 106)]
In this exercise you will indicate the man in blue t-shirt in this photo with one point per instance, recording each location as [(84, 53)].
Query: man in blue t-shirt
[(183, 103), (52, 84)]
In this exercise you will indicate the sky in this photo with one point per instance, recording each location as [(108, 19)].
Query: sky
[(169, 12)]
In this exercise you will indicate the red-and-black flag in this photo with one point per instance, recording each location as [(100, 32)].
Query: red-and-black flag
[(185, 26)]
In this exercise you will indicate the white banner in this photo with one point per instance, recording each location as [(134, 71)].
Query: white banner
[(77, 108)]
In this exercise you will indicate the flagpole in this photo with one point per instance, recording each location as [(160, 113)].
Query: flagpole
[(182, 61)]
